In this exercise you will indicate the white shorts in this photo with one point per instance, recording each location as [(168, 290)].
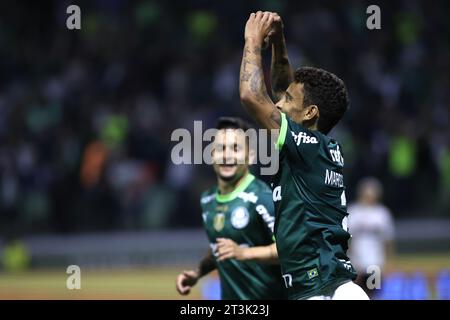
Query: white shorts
[(346, 291)]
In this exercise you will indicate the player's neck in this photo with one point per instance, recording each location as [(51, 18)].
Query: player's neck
[(226, 187), (310, 125)]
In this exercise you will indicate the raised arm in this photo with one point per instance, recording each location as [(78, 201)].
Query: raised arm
[(280, 71), (252, 89), (188, 278)]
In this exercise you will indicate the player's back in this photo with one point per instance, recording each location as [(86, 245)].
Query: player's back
[(311, 216)]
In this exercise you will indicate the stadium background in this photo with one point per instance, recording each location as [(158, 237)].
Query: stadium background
[(86, 118)]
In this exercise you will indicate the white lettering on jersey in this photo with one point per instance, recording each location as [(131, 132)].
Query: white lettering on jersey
[(268, 219), (343, 199), (337, 156), (302, 137), (345, 223), (334, 179), (276, 195)]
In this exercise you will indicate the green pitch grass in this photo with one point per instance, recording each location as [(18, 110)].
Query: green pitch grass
[(151, 283), (95, 284)]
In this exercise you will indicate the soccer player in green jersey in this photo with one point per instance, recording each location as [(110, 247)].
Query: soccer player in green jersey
[(308, 190), (238, 216)]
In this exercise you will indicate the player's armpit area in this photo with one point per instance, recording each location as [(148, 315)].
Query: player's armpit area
[(263, 111), (275, 118)]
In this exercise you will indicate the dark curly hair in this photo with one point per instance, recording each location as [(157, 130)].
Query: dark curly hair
[(232, 123), (325, 90)]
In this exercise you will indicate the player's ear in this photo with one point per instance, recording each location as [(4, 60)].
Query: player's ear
[(311, 112)]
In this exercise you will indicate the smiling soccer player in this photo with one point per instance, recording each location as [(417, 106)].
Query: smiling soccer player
[(238, 217), (309, 193)]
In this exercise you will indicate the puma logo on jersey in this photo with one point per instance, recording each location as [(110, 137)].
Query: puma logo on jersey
[(302, 137)]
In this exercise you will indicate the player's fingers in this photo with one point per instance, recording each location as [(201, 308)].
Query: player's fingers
[(226, 256), (221, 243), (185, 290), (223, 257), (225, 245), (258, 15), (265, 16), (226, 250), (222, 250), (179, 283), (269, 20), (187, 272), (187, 279)]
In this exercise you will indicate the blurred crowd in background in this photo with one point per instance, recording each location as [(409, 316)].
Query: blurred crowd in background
[(86, 116)]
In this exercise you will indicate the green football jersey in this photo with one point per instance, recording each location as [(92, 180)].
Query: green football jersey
[(311, 213), (245, 216)]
